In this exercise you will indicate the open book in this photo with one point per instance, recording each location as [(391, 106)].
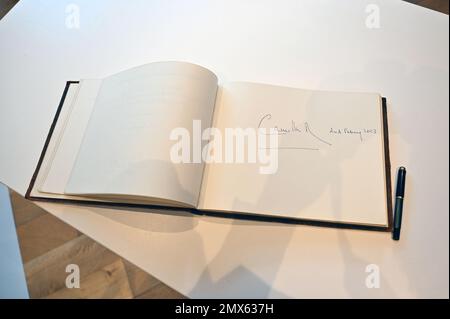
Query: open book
[(118, 141)]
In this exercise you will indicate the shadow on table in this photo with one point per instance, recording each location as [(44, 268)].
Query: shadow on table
[(393, 78)]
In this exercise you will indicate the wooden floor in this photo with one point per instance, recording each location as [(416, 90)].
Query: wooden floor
[(437, 5), (48, 245)]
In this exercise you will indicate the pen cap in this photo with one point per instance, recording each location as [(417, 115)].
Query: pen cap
[(401, 178)]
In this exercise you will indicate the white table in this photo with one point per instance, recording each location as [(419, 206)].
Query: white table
[(307, 44), (12, 277)]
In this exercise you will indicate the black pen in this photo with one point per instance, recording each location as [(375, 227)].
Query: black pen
[(399, 195)]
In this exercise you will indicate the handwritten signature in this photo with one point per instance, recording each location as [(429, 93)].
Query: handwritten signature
[(305, 128)]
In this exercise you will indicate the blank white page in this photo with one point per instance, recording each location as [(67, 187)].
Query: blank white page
[(66, 140), (322, 174), (126, 146)]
